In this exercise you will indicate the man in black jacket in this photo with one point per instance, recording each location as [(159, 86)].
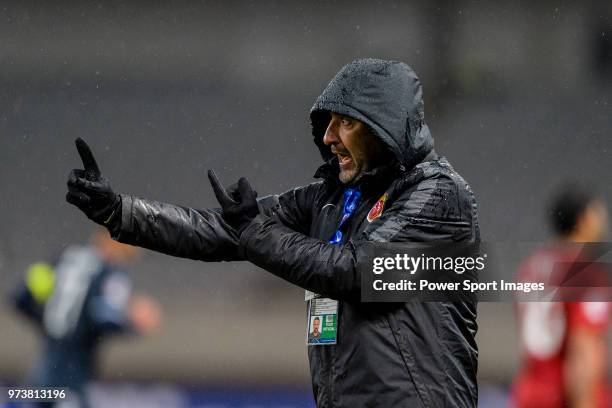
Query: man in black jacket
[(381, 181)]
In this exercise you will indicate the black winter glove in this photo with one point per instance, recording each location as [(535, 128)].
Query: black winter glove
[(238, 202), (91, 192)]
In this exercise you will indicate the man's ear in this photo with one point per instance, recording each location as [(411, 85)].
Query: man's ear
[(381, 152)]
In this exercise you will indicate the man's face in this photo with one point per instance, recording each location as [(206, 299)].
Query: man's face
[(315, 325), (358, 150), (593, 224)]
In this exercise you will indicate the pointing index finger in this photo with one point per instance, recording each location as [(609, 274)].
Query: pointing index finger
[(222, 196), (92, 171)]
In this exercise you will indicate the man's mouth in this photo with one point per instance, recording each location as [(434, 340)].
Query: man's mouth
[(345, 160)]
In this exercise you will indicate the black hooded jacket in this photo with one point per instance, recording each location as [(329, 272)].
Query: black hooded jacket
[(406, 355)]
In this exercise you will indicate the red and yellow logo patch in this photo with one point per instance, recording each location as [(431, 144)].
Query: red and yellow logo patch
[(377, 209)]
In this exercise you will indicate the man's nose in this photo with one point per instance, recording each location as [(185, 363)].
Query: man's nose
[(331, 134)]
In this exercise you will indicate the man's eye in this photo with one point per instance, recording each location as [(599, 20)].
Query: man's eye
[(345, 121)]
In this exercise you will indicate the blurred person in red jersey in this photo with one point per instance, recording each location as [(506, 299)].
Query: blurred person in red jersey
[(564, 343)]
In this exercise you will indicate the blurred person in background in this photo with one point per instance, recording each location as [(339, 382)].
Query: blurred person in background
[(564, 343), (380, 180), (78, 302)]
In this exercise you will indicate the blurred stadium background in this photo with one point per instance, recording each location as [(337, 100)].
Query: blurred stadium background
[(518, 97)]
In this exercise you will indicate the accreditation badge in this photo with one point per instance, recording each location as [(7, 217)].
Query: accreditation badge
[(322, 323)]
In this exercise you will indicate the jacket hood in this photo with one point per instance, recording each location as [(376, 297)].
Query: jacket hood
[(386, 96)]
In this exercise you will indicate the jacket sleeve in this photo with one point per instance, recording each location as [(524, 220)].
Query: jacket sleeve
[(24, 302), (175, 230), (428, 212), (202, 234)]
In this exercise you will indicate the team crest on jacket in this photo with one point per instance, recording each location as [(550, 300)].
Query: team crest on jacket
[(377, 209)]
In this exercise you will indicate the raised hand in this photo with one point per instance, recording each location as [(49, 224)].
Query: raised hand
[(238, 202), (90, 191), (92, 171)]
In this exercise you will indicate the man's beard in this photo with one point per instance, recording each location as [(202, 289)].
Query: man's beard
[(353, 175)]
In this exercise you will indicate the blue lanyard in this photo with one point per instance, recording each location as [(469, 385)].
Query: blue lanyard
[(351, 199)]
